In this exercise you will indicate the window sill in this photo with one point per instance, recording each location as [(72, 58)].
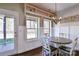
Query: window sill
[(31, 40)]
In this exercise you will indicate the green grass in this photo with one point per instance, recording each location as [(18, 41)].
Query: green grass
[(8, 41)]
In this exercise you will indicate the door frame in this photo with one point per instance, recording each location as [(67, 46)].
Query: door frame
[(15, 15)]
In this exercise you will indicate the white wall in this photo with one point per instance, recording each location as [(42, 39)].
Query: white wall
[(23, 44)]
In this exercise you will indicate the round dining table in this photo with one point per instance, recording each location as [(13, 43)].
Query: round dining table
[(59, 41)]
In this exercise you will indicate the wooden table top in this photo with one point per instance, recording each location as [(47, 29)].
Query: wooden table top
[(60, 40)]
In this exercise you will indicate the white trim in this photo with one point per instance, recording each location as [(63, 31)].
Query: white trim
[(37, 14)]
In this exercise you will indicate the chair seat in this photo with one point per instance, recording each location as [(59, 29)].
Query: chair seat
[(65, 48)]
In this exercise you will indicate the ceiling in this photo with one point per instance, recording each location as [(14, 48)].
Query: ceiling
[(51, 6)]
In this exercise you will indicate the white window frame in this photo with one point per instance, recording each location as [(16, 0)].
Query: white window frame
[(31, 39), (45, 19)]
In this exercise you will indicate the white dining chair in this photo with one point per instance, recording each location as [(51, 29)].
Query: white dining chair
[(47, 50), (64, 50)]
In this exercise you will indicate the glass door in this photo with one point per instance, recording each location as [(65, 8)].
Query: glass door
[(1, 30), (6, 33), (10, 30)]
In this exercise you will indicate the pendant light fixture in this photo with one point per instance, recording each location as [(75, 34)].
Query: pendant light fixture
[(56, 19)]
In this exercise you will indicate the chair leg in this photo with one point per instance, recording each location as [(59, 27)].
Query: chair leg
[(56, 52), (73, 54)]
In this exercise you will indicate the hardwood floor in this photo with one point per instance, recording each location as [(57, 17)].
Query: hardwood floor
[(34, 52)]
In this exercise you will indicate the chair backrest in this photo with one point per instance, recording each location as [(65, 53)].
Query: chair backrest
[(46, 45), (73, 46)]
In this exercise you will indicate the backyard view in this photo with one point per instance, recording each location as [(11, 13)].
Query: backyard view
[(6, 32)]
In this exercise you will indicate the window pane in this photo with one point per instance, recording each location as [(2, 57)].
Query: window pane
[(36, 24), (46, 30), (1, 30), (46, 23), (28, 24), (31, 33), (32, 24), (9, 28), (46, 26), (10, 32)]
